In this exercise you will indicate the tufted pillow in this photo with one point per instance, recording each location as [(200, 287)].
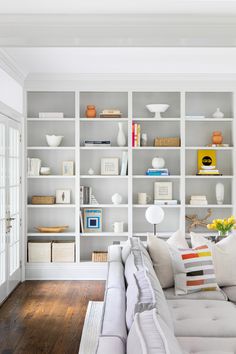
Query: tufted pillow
[(133, 243), (194, 270), (224, 257), (150, 334), (161, 258)]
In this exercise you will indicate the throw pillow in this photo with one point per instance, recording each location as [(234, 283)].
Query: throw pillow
[(160, 255), (194, 270), (224, 257)]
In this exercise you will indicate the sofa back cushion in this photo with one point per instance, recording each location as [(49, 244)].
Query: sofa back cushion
[(150, 334), (108, 345)]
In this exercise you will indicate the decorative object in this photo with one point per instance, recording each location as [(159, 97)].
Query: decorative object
[(121, 139), (154, 215), (62, 196), (91, 111), (162, 190), (195, 221), (33, 166), (110, 166), (45, 171), (167, 142), (39, 252), (118, 227), (68, 168), (92, 220), (158, 162), (90, 172), (52, 229), (217, 137), (116, 198), (93, 200), (54, 140), (157, 109), (198, 200), (144, 139), (220, 193), (111, 113), (39, 199), (207, 163), (51, 115), (223, 226), (99, 256), (218, 114), (63, 252), (124, 163), (143, 198)]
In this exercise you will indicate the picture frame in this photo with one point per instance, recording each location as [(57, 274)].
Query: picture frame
[(163, 191), (68, 168), (110, 166), (92, 220), (63, 196)]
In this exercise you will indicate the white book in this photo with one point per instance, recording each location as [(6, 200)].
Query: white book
[(198, 197), (124, 163), (198, 202), (51, 115), (165, 202)]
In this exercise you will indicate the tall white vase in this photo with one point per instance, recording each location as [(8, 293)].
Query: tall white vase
[(121, 139), (220, 193)]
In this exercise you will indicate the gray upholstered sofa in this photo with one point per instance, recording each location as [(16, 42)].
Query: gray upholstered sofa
[(203, 323)]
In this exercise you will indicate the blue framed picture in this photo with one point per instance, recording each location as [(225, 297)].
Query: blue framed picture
[(92, 220)]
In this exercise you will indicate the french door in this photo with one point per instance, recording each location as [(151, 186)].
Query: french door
[(10, 197)]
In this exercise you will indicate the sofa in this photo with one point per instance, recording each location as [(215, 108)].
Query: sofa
[(162, 323)]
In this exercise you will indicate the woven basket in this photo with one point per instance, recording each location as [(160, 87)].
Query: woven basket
[(99, 256), (43, 199), (167, 141)]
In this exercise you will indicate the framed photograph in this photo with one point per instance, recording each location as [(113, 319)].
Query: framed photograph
[(110, 166), (68, 168), (63, 196), (92, 220), (162, 190)]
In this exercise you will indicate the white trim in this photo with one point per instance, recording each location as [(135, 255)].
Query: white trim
[(8, 64)]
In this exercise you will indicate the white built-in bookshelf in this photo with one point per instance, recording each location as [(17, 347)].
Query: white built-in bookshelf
[(181, 161)]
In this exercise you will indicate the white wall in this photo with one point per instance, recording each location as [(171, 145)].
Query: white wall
[(11, 92)]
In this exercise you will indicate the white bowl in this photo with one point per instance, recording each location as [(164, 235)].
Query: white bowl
[(45, 171), (157, 109), (54, 140)]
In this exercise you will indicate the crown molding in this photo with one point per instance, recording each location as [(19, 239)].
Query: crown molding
[(11, 68), (118, 30)]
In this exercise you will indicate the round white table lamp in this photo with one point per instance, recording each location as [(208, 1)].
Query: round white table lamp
[(154, 215)]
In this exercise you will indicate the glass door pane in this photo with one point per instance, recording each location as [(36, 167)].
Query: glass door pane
[(3, 287)]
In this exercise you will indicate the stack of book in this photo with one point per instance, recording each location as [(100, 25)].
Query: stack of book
[(33, 166), (213, 172), (157, 172), (85, 195), (111, 113), (198, 200), (136, 135), (97, 143)]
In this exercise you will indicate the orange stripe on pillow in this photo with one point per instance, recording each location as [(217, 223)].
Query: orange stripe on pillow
[(190, 255), (195, 282), (201, 247)]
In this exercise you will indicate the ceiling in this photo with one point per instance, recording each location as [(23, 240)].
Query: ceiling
[(122, 60)]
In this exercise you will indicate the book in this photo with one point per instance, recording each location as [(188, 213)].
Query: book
[(102, 115), (33, 166), (51, 115), (157, 173), (198, 202), (97, 143), (124, 163), (85, 195), (165, 202), (198, 197), (136, 135), (81, 222)]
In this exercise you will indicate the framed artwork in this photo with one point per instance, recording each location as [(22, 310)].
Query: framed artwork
[(162, 190), (206, 159), (92, 220), (110, 166), (68, 168), (63, 196)]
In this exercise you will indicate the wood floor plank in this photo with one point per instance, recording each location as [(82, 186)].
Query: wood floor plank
[(46, 317)]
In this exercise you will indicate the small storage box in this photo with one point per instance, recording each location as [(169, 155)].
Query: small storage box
[(63, 252), (36, 199), (99, 256), (39, 252)]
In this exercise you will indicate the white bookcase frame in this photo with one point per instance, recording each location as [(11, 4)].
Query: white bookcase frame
[(83, 268)]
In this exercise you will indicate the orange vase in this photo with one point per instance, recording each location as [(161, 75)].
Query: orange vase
[(91, 111), (217, 137)]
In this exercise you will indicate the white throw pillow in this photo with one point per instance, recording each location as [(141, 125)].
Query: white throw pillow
[(161, 258), (224, 257)]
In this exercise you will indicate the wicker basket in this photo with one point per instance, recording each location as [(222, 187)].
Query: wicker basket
[(99, 256), (167, 141), (43, 199)]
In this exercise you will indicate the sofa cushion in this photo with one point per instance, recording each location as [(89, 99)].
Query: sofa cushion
[(230, 291), (114, 253), (115, 276), (108, 345), (144, 292), (207, 345), (160, 255), (203, 318), (133, 243), (149, 334), (200, 295), (224, 258), (193, 270)]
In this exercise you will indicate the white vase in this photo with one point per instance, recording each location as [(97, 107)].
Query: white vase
[(116, 198), (158, 162), (121, 140), (218, 114), (220, 193)]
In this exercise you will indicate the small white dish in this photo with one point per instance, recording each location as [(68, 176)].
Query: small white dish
[(54, 140), (157, 109)]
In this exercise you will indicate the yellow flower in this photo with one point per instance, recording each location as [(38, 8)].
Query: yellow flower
[(226, 222), (209, 226)]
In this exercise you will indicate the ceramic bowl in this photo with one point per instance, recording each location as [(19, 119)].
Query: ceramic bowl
[(54, 140), (157, 109), (45, 171)]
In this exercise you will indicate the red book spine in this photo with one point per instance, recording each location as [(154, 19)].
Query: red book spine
[(133, 134)]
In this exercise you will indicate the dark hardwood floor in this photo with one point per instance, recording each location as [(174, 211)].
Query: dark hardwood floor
[(46, 316)]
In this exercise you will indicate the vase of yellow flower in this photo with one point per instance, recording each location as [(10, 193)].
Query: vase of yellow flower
[(223, 226)]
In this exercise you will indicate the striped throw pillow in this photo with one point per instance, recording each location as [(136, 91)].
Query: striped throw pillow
[(193, 270)]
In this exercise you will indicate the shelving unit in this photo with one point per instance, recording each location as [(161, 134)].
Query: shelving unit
[(181, 161)]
